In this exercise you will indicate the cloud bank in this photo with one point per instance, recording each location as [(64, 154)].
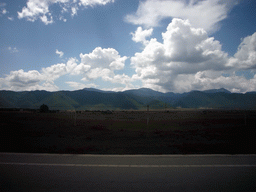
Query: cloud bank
[(99, 64), (186, 59)]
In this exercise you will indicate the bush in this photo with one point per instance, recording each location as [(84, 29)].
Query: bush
[(44, 108)]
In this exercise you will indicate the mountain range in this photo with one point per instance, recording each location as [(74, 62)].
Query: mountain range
[(136, 99)]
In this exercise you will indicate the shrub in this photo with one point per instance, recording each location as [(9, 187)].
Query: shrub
[(44, 108)]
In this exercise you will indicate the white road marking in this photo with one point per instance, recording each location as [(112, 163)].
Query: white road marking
[(146, 166), (135, 155)]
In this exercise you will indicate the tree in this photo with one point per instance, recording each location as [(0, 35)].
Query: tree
[(44, 108)]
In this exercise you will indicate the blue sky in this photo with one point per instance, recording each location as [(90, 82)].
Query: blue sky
[(168, 46)]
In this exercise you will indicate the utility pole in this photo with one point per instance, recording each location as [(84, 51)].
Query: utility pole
[(147, 114), (245, 118), (75, 119)]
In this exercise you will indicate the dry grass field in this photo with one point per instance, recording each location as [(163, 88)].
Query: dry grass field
[(130, 132)]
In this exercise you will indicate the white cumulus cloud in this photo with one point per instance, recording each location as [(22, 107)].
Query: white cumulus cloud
[(3, 11), (74, 11), (205, 80), (40, 9), (95, 2), (55, 71), (189, 59), (102, 63), (103, 73), (99, 64), (245, 58), (26, 81), (140, 35), (60, 53), (34, 80), (46, 20), (104, 58)]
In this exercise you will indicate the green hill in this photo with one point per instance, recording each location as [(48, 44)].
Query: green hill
[(93, 99)]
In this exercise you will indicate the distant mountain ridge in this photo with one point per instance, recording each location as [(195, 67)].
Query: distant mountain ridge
[(135, 99), (144, 92), (221, 90), (97, 90)]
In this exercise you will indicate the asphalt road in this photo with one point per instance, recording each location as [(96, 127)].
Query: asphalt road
[(48, 172)]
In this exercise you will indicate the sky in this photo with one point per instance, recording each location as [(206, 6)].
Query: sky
[(165, 45)]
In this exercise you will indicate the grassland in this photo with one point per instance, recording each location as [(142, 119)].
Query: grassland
[(130, 132)]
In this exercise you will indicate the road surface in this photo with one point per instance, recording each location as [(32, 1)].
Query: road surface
[(49, 172)]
